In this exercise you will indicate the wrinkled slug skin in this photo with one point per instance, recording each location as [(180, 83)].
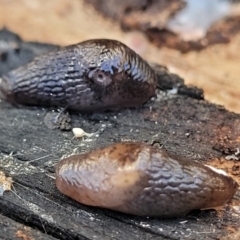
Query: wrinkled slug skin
[(92, 75), (142, 180)]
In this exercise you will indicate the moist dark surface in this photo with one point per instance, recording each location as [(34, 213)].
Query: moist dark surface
[(90, 76), (163, 186)]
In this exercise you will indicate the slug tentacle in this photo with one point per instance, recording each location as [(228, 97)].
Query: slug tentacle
[(139, 179), (93, 75)]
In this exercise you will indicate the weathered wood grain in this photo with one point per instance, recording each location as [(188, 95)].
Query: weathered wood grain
[(183, 124), (12, 230)]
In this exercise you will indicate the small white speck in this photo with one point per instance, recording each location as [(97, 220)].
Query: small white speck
[(172, 91), (237, 151), (144, 224), (183, 222), (220, 171), (236, 209), (233, 156), (79, 133)]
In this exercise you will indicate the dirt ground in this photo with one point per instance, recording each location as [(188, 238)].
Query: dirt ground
[(215, 69)]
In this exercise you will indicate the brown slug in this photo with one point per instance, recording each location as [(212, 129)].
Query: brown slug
[(96, 74), (142, 180)]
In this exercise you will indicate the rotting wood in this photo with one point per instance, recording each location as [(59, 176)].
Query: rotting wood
[(13, 230), (183, 124)]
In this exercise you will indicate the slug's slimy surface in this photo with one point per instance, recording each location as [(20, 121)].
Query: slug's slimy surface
[(139, 179), (93, 75)]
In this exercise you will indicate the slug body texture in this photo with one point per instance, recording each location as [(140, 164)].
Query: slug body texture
[(142, 180), (93, 75)]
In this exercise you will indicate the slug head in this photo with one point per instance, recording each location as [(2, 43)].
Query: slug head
[(107, 177), (117, 76)]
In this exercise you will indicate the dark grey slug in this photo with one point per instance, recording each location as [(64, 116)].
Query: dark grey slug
[(93, 75), (139, 179)]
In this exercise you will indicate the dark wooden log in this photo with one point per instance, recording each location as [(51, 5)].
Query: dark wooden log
[(12, 230), (181, 121)]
